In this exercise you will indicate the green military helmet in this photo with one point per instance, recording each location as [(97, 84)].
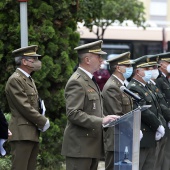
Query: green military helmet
[(94, 47)]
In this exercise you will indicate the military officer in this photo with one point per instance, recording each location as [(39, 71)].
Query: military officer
[(116, 102), (26, 121), (163, 84), (151, 125), (82, 142), (163, 109)]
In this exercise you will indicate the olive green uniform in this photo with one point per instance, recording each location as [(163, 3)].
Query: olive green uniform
[(150, 121), (163, 84)]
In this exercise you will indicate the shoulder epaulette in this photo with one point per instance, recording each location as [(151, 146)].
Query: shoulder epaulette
[(76, 75)]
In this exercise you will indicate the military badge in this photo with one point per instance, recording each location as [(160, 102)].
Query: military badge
[(146, 94), (90, 90), (94, 106)]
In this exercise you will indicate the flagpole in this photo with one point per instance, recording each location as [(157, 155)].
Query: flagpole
[(23, 23)]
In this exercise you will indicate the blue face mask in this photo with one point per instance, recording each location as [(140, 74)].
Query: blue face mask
[(148, 75), (128, 73)]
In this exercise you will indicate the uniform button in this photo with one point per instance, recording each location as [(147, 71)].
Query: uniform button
[(27, 122), (87, 134), (143, 129), (93, 129)]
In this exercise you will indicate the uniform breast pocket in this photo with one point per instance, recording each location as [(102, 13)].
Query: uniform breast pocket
[(160, 95), (148, 99), (32, 96), (94, 101), (165, 90)]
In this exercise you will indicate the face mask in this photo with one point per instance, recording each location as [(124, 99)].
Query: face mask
[(128, 73), (35, 65), (148, 75), (155, 74), (168, 68)]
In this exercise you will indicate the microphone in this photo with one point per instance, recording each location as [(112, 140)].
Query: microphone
[(130, 93)]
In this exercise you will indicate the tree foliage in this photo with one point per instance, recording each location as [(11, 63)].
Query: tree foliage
[(103, 13)]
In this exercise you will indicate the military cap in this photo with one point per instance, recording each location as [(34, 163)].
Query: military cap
[(123, 58), (94, 47), (141, 62), (164, 56), (152, 60), (29, 51)]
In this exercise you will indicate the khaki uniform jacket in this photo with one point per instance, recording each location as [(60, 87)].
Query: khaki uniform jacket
[(150, 119), (114, 102), (22, 98), (83, 132)]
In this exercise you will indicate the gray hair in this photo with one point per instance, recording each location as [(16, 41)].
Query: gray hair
[(112, 68), (81, 57), (18, 60)]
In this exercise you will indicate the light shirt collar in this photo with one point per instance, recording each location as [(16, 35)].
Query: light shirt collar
[(118, 79), (88, 73), (151, 81), (140, 82), (25, 73), (164, 74), (126, 82)]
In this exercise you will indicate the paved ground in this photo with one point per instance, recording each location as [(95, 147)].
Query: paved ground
[(100, 166)]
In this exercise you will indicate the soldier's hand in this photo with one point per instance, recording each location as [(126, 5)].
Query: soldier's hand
[(161, 130), (109, 118), (158, 136), (141, 135), (169, 125), (9, 133)]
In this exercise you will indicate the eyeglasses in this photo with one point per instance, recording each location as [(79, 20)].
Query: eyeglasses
[(33, 58)]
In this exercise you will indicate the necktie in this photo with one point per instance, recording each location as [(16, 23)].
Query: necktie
[(94, 80), (30, 78)]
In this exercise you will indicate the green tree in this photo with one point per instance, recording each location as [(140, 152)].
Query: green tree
[(103, 13)]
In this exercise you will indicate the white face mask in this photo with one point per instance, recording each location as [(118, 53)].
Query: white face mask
[(168, 68), (155, 74)]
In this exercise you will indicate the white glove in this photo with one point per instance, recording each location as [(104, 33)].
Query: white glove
[(141, 135), (169, 125), (161, 130), (158, 135), (46, 126)]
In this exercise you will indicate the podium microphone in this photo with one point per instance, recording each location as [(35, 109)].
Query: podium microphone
[(130, 93)]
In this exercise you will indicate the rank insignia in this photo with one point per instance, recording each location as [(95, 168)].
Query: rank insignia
[(94, 106), (90, 90)]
